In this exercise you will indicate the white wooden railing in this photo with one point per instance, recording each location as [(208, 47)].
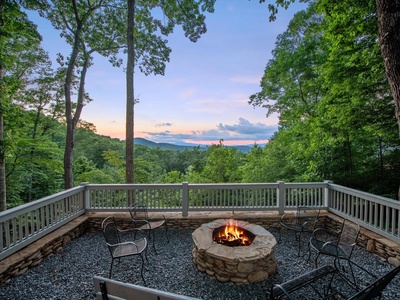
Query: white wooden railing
[(22, 225), (25, 224)]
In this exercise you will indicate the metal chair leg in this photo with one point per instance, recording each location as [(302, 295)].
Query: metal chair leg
[(112, 261), (141, 271)]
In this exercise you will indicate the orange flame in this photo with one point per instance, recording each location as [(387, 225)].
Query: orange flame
[(233, 233)]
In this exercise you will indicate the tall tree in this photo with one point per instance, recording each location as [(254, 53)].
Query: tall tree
[(89, 27), (130, 97), (388, 12), (150, 51)]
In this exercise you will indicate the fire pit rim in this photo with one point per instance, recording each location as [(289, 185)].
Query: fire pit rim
[(238, 264), (263, 242)]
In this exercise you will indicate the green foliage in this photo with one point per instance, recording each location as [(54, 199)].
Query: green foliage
[(327, 82), (172, 177), (95, 176), (33, 163), (222, 164)]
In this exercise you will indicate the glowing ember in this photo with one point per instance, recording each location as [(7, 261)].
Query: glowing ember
[(232, 235)]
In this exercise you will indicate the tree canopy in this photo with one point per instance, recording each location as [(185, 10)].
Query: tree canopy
[(326, 80)]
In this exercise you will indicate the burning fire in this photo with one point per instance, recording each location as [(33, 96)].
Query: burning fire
[(232, 235)]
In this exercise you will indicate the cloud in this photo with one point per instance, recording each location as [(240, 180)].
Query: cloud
[(242, 131), (244, 127), (163, 124)]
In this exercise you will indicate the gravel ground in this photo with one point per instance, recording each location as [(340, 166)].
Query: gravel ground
[(69, 274)]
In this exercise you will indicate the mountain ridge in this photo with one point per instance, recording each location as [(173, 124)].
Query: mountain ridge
[(169, 146)]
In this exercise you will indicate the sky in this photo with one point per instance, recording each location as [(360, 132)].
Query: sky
[(203, 96)]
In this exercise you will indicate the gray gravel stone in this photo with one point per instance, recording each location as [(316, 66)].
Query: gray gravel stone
[(69, 274)]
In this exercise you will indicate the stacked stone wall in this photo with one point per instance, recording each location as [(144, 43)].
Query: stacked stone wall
[(33, 254), (371, 241)]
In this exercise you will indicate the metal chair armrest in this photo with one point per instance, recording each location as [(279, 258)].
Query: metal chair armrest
[(284, 291), (282, 217), (129, 229), (139, 222)]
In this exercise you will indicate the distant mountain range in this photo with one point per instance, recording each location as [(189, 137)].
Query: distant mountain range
[(168, 146)]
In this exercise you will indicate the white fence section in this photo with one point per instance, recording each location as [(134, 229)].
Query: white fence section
[(187, 197), (23, 225), (378, 214)]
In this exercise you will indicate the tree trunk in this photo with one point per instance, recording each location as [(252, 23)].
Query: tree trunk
[(3, 199), (388, 12), (130, 68), (71, 121)]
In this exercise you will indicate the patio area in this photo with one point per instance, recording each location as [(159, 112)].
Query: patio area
[(69, 274)]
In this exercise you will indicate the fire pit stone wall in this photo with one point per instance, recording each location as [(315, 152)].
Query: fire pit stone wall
[(240, 264)]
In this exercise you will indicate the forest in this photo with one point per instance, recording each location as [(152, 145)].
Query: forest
[(326, 80)]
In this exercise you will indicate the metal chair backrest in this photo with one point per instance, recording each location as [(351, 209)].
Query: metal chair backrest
[(309, 212), (348, 236), (138, 211), (375, 289), (111, 235)]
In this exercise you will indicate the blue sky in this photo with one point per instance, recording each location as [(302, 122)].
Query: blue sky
[(204, 94)]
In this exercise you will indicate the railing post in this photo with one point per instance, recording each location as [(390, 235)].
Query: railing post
[(86, 196), (327, 200), (281, 196), (185, 199)]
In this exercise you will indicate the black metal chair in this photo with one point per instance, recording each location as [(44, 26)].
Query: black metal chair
[(319, 280), (119, 249), (375, 289), (305, 221), (140, 218), (324, 275), (339, 245)]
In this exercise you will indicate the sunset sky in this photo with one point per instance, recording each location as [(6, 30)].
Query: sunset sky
[(204, 94)]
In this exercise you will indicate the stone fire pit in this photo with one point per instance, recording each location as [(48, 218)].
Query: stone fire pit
[(239, 264)]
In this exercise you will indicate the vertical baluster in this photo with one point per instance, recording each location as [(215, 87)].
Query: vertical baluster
[(352, 206), (31, 224), (396, 222), (176, 205), (371, 209), (19, 226), (14, 235), (26, 224), (7, 230), (387, 219), (2, 231)]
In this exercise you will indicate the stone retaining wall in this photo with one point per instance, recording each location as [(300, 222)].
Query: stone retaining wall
[(369, 240), (54, 242), (33, 254)]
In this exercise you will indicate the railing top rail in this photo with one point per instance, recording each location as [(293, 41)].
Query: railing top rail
[(152, 185), (306, 184), (31, 206), (232, 185), (132, 186), (368, 196)]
